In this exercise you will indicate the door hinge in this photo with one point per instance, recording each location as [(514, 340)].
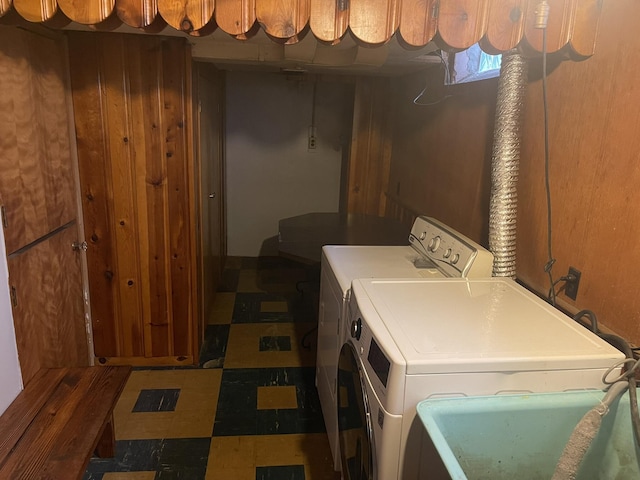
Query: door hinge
[(77, 246), (4, 216), (14, 296)]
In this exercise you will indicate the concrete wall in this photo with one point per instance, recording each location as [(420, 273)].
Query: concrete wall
[(270, 172)]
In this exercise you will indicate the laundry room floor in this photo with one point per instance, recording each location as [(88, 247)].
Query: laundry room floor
[(250, 410)]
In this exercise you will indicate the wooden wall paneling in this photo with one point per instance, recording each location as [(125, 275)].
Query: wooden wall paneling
[(117, 118), (374, 21), (370, 147), (87, 83), (283, 19), (561, 18), (441, 155), (236, 17), (418, 21), (461, 23), (177, 131), (594, 158), (505, 26), (186, 15), (585, 27), (152, 192), (137, 13), (37, 186), (36, 10), (47, 282), (88, 12), (329, 19)]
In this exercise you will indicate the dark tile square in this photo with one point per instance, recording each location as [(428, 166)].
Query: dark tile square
[(214, 346), (157, 400), (280, 472), (183, 458), (238, 414), (131, 456), (275, 344)]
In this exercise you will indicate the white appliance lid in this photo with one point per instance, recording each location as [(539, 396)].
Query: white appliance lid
[(460, 325), (349, 262)]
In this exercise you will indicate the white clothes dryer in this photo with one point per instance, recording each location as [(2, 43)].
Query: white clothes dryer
[(413, 339), (433, 250)]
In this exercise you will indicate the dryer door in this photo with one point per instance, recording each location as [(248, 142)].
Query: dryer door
[(357, 449)]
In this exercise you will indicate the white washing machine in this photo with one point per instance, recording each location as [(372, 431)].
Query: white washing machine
[(413, 339), (434, 250)]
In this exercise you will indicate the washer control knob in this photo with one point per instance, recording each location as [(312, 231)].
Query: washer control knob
[(455, 258), (356, 329), (434, 243), (447, 253), (423, 235)]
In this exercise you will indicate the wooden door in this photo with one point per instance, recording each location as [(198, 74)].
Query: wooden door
[(133, 111), (38, 195), (210, 160)]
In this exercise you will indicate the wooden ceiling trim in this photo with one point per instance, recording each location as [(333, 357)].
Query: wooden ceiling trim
[(585, 27), (283, 19), (462, 23), (499, 25), (505, 26), (235, 17), (186, 15), (137, 13), (329, 19), (374, 21), (5, 6), (561, 19), (418, 21), (36, 10), (88, 12)]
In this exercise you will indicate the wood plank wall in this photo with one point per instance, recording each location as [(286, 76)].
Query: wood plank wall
[(442, 152), (133, 120), (595, 158), (370, 153)]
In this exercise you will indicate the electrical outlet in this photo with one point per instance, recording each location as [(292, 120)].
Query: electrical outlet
[(571, 286), (311, 142)]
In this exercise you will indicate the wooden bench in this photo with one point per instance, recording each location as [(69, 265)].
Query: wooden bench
[(57, 422)]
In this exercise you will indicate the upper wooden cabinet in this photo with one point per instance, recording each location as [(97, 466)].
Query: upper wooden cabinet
[(499, 25), (37, 190)]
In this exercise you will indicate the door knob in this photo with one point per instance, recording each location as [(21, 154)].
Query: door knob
[(79, 246), (212, 195)]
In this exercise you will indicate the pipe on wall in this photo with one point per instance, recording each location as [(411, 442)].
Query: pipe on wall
[(505, 163)]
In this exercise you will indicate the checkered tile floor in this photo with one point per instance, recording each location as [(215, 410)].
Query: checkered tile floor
[(250, 410)]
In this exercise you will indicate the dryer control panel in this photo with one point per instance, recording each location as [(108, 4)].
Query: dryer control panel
[(451, 252)]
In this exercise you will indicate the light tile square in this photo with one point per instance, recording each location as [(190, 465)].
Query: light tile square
[(243, 346), (129, 476), (249, 281), (271, 398), (194, 412), (222, 308)]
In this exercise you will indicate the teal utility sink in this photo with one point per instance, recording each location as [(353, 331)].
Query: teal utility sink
[(522, 436)]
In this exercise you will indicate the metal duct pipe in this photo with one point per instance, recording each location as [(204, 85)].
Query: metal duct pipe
[(505, 162)]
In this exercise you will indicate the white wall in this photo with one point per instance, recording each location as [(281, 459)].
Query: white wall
[(270, 173), (10, 376)]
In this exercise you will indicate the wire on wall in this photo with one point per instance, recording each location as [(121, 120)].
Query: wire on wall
[(542, 17)]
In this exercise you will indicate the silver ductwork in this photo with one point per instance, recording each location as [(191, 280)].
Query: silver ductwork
[(505, 162)]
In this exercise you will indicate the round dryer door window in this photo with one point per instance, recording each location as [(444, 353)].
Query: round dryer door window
[(354, 420)]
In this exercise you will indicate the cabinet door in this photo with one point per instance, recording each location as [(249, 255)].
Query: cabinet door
[(36, 184), (48, 309), (210, 147), (133, 114)]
